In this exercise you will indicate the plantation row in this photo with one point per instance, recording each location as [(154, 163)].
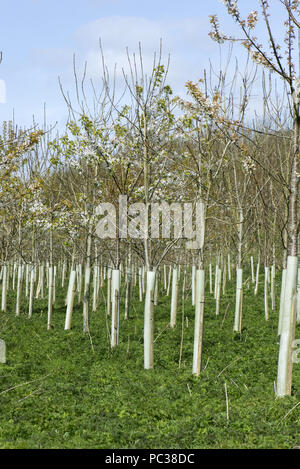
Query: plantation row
[(33, 282)]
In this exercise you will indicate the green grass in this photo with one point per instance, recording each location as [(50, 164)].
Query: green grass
[(64, 389)]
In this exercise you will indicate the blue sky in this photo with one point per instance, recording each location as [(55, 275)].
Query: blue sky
[(39, 37)]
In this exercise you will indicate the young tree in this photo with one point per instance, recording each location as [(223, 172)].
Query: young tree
[(285, 66)]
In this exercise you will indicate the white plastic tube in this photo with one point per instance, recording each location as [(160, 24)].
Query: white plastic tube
[(284, 372), (149, 321), (115, 292), (70, 300), (199, 319), (4, 289), (174, 298), (283, 278), (238, 301)]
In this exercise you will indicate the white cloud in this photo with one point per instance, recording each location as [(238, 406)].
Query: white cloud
[(2, 92), (186, 40)]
